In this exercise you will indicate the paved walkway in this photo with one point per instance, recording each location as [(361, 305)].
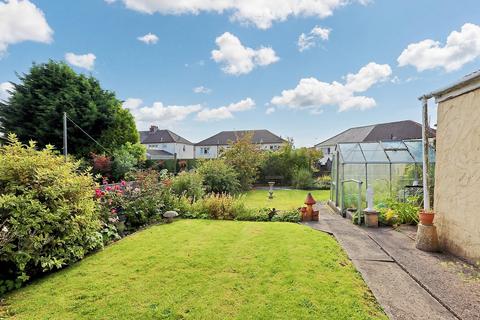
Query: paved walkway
[(408, 283)]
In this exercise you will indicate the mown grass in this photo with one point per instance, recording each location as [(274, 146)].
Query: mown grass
[(197, 269), (282, 199)]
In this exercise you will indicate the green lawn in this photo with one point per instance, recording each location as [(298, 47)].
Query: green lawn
[(283, 199), (200, 269)]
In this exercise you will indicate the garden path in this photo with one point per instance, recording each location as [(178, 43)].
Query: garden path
[(408, 283)]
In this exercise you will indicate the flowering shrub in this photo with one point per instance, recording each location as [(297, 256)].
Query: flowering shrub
[(125, 207), (48, 216)]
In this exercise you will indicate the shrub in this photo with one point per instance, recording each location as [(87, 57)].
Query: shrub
[(302, 179), (126, 158), (144, 203), (324, 182), (286, 161), (219, 177), (189, 184), (47, 211), (287, 216), (254, 215)]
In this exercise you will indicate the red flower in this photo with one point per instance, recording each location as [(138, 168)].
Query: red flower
[(98, 193), (108, 188)]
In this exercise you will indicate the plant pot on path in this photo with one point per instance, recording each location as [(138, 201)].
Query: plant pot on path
[(426, 217)]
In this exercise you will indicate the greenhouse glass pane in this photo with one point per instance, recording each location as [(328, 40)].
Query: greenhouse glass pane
[(378, 176), (351, 152), (400, 156), (374, 152), (416, 148), (405, 175)]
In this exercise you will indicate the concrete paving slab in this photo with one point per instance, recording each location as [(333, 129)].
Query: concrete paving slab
[(399, 295), (446, 277), (402, 295)]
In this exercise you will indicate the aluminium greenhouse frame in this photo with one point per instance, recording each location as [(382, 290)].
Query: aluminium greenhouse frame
[(357, 160)]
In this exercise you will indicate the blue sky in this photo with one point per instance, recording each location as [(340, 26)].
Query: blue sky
[(257, 57)]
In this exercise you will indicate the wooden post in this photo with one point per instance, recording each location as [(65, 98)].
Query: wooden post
[(425, 135)]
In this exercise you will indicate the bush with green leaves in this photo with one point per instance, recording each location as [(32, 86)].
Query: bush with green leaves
[(219, 177), (303, 179), (127, 158), (324, 182), (47, 211), (254, 215), (287, 216), (189, 184)]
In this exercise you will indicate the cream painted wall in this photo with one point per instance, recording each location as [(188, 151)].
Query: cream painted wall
[(457, 175)]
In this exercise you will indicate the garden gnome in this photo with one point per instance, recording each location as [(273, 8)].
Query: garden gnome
[(309, 201)]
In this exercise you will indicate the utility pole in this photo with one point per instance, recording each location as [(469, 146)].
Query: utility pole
[(65, 135)]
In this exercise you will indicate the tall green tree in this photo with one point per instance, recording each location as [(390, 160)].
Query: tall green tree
[(35, 110), (246, 158)]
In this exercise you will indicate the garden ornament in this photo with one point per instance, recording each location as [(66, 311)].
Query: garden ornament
[(169, 215)]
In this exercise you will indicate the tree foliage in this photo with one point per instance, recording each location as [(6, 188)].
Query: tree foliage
[(246, 158), (34, 111)]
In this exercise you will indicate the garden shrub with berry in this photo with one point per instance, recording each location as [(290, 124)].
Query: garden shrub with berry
[(48, 216)]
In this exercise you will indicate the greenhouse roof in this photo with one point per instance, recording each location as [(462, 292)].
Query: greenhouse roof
[(406, 151)]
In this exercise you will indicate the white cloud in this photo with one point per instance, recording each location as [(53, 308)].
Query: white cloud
[(85, 61), (307, 41), (5, 87), (110, 1), (237, 59), (259, 13), (270, 110), (225, 112), (149, 38), (461, 47), (202, 89), (159, 113), (313, 94), (22, 21), (132, 103)]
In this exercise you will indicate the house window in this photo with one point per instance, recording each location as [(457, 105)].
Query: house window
[(204, 150), (183, 148), (153, 145)]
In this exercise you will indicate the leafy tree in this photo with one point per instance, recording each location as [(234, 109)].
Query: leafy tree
[(246, 158), (35, 110)]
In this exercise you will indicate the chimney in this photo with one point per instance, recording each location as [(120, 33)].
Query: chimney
[(153, 129)]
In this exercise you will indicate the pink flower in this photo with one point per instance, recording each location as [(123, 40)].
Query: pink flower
[(113, 211), (98, 193), (123, 183), (108, 188)]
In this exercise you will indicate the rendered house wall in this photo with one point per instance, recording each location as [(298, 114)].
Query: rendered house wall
[(457, 175)]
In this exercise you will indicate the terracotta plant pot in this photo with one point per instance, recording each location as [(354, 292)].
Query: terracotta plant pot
[(426, 217)]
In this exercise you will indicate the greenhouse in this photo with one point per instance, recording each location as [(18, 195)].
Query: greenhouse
[(390, 168)]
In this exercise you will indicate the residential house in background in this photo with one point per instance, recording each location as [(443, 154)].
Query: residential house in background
[(164, 144), (390, 131), (213, 146)]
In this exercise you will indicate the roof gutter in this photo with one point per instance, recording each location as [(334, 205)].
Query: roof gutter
[(466, 84)]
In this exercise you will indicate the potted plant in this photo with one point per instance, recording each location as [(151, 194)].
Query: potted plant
[(426, 217)]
